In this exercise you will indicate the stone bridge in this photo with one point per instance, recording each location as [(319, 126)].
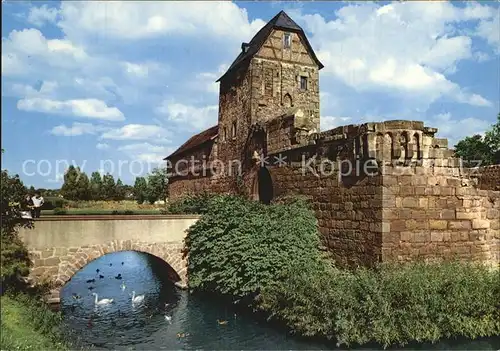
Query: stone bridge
[(60, 246)]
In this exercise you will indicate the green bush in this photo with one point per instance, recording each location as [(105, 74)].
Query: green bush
[(59, 211), (395, 304), (191, 204), (239, 246)]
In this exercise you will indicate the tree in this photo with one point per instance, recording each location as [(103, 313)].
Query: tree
[(95, 186), (108, 187), (82, 186), (69, 187), (119, 190), (140, 189), (76, 184), (157, 184), (15, 261), (478, 148)]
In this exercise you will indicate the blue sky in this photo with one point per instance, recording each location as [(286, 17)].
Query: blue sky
[(118, 86)]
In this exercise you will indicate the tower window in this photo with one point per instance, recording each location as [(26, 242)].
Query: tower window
[(287, 41), (303, 83), (224, 135), (233, 131)]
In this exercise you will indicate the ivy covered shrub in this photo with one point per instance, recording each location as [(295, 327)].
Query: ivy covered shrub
[(393, 305), (191, 204), (239, 247)]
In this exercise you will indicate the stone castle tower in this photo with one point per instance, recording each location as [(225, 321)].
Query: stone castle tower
[(276, 73)]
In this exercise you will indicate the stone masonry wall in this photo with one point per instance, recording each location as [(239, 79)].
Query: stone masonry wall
[(349, 215), (435, 214)]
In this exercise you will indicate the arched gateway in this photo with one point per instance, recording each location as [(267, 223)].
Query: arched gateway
[(60, 246)]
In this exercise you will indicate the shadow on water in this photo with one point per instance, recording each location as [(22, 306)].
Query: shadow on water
[(193, 320)]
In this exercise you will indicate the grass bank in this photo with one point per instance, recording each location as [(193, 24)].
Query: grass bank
[(28, 324), (268, 257)]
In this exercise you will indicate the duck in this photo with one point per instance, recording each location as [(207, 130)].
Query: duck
[(168, 318), (91, 288), (122, 263), (110, 264), (221, 322), (119, 276), (103, 301), (91, 281), (137, 299), (101, 276), (97, 270)]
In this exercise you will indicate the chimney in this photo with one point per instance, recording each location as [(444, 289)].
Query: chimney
[(244, 47)]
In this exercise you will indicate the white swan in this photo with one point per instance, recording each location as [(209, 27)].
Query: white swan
[(137, 299), (168, 318), (103, 301), (123, 286)]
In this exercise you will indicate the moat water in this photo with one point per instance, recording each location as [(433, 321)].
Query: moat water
[(191, 322)]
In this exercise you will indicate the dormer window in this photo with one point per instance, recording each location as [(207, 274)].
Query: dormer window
[(245, 47), (287, 41), (303, 83)]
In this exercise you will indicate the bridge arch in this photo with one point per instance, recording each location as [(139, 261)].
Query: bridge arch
[(61, 246), (61, 264)]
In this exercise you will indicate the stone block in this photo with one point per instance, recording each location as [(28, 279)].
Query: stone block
[(493, 214), (411, 202), (467, 215), (437, 236), (480, 224), (52, 261), (459, 225), (398, 226), (447, 214), (438, 224)]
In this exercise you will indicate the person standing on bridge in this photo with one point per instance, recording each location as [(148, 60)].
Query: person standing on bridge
[(27, 207), (38, 202)]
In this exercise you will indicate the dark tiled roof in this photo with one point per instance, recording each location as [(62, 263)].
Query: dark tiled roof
[(280, 21), (195, 140)]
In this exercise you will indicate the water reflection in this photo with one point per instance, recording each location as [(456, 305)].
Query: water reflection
[(193, 319)]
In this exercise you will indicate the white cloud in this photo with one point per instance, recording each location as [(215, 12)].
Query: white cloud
[(189, 117), (137, 132), (39, 16), (75, 130), (26, 48), (141, 70), (403, 47), (490, 31), (139, 20), (86, 108), (330, 122), (206, 81), (456, 129), (146, 152), (102, 146)]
